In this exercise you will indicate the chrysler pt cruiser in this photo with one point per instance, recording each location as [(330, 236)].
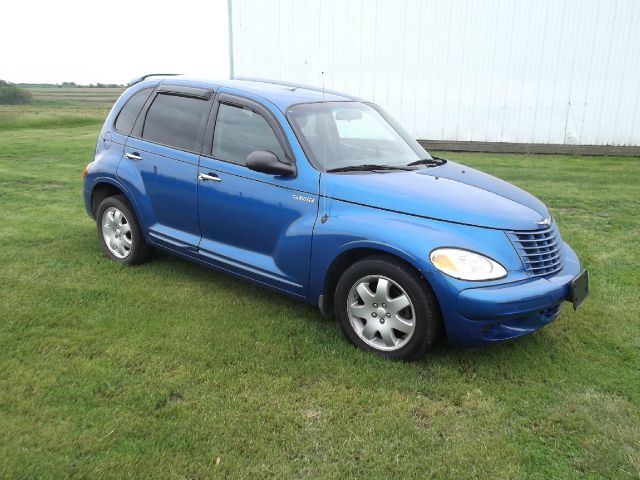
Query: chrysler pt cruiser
[(324, 197)]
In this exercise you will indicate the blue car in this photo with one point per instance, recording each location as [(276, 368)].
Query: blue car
[(324, 197)]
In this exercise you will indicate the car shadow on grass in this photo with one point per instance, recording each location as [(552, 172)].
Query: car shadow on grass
[(320, 336), (524, 346)]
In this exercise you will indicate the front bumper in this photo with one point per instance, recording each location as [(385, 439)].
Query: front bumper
[(477, 316)]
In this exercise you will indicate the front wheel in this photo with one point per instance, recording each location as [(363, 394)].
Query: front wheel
[(384, 306)]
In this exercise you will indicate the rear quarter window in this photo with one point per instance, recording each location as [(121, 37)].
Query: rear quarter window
[(129, 113)]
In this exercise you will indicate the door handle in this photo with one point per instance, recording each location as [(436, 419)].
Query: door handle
[(209, 177), (133, 156)]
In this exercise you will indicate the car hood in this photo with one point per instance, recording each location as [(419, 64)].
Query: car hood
[(451, 192)]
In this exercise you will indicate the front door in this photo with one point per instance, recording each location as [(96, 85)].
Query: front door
[(254, 224)]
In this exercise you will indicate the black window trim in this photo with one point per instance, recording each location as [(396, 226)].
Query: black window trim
[(184, 91), (250, 104), (115, 120), (178, 91)]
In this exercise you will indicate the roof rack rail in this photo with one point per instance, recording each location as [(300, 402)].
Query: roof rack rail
[(293, 85), (144, 77)]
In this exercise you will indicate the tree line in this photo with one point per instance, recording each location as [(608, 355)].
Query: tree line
[(71, 85), (11, 94)]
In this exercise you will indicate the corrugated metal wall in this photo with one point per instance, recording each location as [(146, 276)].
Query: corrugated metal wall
[(529, 71)]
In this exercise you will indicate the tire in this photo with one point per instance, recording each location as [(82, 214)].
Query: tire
[(119, 232), (369, 305)]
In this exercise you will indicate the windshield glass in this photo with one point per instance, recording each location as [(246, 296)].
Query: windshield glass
[(344, 134)]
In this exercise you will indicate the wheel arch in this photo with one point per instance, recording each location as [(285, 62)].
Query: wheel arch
[(101, 191), (351, 255), (105, 187)]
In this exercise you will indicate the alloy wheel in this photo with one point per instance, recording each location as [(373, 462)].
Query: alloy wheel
[(381, 313), (116, 232)]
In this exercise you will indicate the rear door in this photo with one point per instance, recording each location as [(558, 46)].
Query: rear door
[(254, 224), (161, 163)]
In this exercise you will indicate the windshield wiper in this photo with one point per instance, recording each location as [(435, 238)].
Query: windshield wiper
[(429, 162), (368, 167)]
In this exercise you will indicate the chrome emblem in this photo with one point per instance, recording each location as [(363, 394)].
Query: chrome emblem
[(544, 223), (302, 198)]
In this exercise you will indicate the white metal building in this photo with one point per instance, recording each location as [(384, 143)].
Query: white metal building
[(563, 72)]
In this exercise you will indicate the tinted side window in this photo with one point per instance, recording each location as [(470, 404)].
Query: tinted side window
[(239, 131), (176, 121), (129, 113)]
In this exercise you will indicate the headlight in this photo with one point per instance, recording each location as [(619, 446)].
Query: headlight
[(466, 265)]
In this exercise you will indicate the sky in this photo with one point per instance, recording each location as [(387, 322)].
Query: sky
[(113, 41)]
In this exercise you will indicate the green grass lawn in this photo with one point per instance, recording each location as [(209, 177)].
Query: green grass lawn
[(173, 370)]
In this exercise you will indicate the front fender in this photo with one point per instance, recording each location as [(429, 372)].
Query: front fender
[(352, 226)]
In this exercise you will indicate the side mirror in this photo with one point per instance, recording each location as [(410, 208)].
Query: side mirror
[(267, 162)]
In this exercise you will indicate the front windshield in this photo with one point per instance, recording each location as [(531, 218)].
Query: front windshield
[(345, 134)]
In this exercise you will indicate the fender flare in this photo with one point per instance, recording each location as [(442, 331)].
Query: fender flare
[(120, 186)]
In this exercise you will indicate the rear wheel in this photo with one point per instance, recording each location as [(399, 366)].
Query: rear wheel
[(385, 306), (119, 232)]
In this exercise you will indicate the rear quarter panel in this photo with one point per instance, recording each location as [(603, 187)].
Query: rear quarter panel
[(109, 150)]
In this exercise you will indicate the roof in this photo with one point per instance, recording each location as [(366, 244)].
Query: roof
[(281, 94)]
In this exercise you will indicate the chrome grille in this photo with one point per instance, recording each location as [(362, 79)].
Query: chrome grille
[(540, 250)]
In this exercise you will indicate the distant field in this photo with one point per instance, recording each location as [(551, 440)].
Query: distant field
[(76, 96), (60, 107), (172, 370), (14, 117)]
